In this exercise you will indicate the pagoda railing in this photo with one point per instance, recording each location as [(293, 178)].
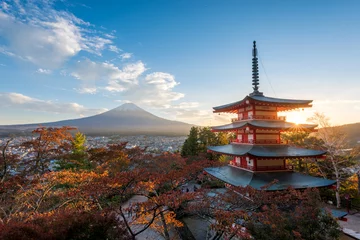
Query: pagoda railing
[(270, 168), (261, 141), (260, 117), (234, 119), (261, 168), (233, 163)]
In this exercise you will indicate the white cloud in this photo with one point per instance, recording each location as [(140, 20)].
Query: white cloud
[(341, 101), (20, 101), (4, 6), (87, 90), (6, 52), (43, 71), (37, 33), (114, 48), (117, 80), (155, 90), (111, 36), (125, 56), (187, 105)]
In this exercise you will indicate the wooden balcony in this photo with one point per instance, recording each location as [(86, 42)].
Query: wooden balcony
[(262, 168), (261, 141), (260, 117), (270, 168), (233, 163)]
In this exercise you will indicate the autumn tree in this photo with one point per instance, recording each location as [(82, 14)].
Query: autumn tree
[(117, 158), (65, 225), (339, 156), (246, 213), (50, 143), (116, 174), (8, 160), (163, 178)]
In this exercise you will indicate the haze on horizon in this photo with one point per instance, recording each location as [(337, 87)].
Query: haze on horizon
[(176, 59)]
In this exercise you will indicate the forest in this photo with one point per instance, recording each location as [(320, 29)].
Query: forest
[(88, 194)]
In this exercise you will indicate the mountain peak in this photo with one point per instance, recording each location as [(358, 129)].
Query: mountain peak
[(128, 107)]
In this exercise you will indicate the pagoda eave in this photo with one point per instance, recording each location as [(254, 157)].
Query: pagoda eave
[(266, 151), (264, 125), (281, 104), (239, 177)]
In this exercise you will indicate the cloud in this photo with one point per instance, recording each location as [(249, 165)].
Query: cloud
[(125, 56), (87, 90), (111, 36), (114, 48), (186, 105), (20, 101), (37, 33), (4, 51), (93, 74), (43, 71), (154, 90), (341, 101), (4, 6)]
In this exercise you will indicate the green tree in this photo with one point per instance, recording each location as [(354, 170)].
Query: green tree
[(191, 145), (223, 138), (303, 139), (78, 144), (199, 139), (78, 158)]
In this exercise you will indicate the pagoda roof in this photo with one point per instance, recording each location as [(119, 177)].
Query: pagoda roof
[(282, 103), (263, 124), (276, 150), (239, 177)]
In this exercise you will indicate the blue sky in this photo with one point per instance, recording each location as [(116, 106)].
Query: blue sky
[(176, 59)]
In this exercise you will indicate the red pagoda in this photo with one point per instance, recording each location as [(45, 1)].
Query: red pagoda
[(258, 154)]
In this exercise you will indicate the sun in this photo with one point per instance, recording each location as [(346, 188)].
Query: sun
[(296, 117)]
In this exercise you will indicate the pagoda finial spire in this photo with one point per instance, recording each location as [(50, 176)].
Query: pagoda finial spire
[(255, 72)]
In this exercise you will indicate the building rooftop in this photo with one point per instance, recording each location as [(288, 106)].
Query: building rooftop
[(282, 103), (264, 124), (257, 180), (276, 150)]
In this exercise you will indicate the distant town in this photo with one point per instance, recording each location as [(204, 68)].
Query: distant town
[(153, 144)]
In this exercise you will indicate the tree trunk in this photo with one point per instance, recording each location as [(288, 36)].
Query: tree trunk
[(184, 231), (337, 177), (358, 176), (5, 167), (166, 231), (337, 191)]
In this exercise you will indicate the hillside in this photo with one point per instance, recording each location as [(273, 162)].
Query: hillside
[(352, 131)]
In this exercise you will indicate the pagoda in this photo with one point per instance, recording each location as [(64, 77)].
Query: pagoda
[(258, 153)]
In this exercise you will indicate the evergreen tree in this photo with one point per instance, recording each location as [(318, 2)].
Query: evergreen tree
[(199, 139), (78, 157), (190, 147), (78, 144)]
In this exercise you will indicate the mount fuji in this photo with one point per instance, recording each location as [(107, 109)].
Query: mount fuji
[(127, 119)]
